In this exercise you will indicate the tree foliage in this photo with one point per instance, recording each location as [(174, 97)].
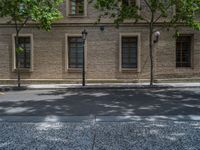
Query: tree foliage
[(165, 10), (43, 12)]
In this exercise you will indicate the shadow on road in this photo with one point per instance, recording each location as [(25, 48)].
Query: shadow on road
[(118, 102)]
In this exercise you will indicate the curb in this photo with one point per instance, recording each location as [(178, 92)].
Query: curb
[(6, 89), (92, 87), (51, 119), (92, 118)]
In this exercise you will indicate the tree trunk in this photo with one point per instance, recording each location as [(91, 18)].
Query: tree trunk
[(151, 54), (18, 62)]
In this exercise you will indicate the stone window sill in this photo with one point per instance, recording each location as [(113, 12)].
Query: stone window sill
[(74, 70), (76, 16), (25, 70), (129, 70), (184, 68)]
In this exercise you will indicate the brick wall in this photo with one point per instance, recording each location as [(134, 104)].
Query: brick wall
[(102, 54)]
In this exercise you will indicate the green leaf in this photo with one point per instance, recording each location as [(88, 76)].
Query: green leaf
[(19, 50)]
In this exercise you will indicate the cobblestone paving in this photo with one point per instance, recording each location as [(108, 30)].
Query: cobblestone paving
[(135, 135)]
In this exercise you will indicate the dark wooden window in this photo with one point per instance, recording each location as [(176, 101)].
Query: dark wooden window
[(183, 51), (75, 52), (129, 52), (129, 2), (76, 7), (25, 56)]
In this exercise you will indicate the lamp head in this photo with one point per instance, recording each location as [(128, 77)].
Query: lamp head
[(157, 36), (84, 34)]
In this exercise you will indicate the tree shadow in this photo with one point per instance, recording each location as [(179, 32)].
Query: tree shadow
[(102, 102)]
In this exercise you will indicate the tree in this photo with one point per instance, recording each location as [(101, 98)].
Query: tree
[(20, 12), (154, 12)]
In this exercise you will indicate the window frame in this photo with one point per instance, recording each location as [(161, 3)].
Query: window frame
[(138, 35), (138, 4), (191, 52), (67, 68), (76, 16), (14, 67)]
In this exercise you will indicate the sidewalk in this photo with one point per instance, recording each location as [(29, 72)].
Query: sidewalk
[(100, 86)]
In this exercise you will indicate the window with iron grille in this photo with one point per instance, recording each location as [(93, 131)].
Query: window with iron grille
[(129, 52), (183, 51), (25, 56), (76, 7), (75, 52)]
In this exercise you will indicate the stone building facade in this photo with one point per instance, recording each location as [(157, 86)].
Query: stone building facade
[(112, 55)]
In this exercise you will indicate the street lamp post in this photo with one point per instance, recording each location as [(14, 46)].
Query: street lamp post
[(84, 36)]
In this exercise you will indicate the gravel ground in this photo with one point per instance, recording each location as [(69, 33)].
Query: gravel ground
[(135, 135), (148, 136), (46, 136)]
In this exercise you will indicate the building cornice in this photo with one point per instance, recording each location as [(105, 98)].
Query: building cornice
[(33, 25)]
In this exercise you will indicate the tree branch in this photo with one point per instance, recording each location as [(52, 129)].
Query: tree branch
[(145, 19), (162, 14), (16, 25), (149, 6), (24, 23), (157, 18)]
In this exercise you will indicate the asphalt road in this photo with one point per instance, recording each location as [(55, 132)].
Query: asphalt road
[(102, 102)]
